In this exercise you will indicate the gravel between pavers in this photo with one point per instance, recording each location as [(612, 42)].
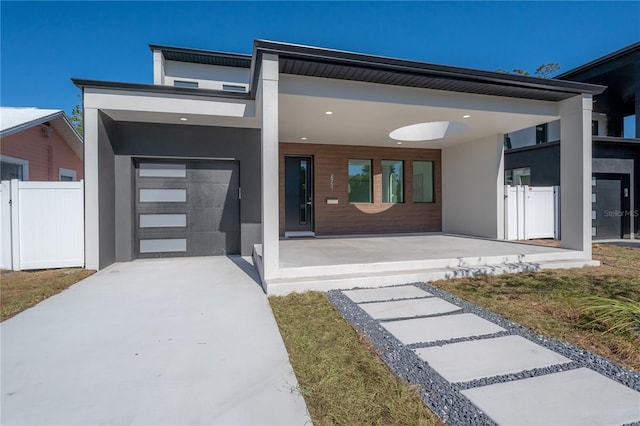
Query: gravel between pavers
[(444, 398)]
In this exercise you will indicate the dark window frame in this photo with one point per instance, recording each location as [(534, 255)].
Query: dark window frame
[(433, 183), (370, 181), (403, 180), (184, 83)]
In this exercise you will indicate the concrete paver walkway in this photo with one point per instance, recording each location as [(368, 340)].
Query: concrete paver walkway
[(157, 342), (481, 361)]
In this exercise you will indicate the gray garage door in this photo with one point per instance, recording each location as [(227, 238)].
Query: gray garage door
[(188, 208)]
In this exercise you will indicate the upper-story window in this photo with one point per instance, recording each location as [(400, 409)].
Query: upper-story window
[(182, 83), (233, 88), (541, 133)]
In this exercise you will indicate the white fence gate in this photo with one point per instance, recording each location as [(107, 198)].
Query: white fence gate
[(41, 225), (532, 212)]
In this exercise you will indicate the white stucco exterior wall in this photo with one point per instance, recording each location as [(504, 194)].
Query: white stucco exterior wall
[(553, 131), (208, 76), (268, 100), (575, 173), (472, 188), (158, 67), (91, 193)]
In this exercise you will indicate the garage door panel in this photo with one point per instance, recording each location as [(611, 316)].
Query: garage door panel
[(176, 232), (163, 220), (161, 208), (214, 243), (157, 246), (213, 195), (149, 169), (208, 219), (213, 173), (194, 215), (143, 182)]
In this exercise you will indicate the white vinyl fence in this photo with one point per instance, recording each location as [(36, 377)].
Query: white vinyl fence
[(41, 225), (532, 212)]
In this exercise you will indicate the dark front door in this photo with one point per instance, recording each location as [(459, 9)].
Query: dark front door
[(611, 215), (298, 198), (187, 208)]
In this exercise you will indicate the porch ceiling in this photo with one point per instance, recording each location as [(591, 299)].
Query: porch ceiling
[(364, 113)]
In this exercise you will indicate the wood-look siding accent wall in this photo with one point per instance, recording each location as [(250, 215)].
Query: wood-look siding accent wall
[(365, 218)]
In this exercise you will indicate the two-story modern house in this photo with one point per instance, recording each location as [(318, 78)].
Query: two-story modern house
[(533, 155), (230, 153)]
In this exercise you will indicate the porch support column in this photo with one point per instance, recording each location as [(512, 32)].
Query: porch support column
[(91, 194), (158, 67), (268, 103), (575, 173)]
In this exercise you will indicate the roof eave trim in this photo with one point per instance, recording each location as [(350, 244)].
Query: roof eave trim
[(29, 124), (156, 88), (293, 51), (199, 51), (599, 61)]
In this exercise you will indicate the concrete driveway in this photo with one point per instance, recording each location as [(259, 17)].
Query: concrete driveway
[(187, 341)]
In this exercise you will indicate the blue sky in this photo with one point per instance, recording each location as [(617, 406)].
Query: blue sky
[(44, 44)]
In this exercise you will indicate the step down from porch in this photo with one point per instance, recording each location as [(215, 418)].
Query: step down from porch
[(378, 278)]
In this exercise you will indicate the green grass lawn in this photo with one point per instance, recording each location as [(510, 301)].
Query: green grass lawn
[(344, 382), (579, 306), (341, 378), (24, 289)]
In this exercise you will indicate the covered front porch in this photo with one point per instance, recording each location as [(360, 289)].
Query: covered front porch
[(342, 134), (375, 260)]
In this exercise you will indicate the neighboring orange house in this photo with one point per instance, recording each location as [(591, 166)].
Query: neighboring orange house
[(39, 145)]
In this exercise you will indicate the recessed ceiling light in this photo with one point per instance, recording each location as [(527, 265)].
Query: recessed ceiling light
[(329, 112), (466, 116), (399, 143), (183, 118), (304, 139)]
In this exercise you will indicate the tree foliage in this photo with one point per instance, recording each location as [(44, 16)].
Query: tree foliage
[(76, 117), (543, 71)]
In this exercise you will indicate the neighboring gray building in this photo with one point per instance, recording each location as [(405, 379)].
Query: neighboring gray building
[(533, 154), (227, 153)]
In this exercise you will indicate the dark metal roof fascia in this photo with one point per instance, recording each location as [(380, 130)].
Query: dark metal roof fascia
[(532, 147), (294, 51), (614, 139), (239, 57), (610, 57), (155, 88), (28, 124)]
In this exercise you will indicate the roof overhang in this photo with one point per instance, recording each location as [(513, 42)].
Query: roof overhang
[(206, 57), (337, 64), (169, 105), (625, 54), (312, 61), (517, 101)]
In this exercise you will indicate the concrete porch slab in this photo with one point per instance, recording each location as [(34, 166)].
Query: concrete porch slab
[(408, 308), (329, 251), (385, 293), (326, 263), (447, 327), (476, 359), (575, 397)]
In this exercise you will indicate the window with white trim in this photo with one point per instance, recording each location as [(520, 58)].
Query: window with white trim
[(67, 175), (13, 168)]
